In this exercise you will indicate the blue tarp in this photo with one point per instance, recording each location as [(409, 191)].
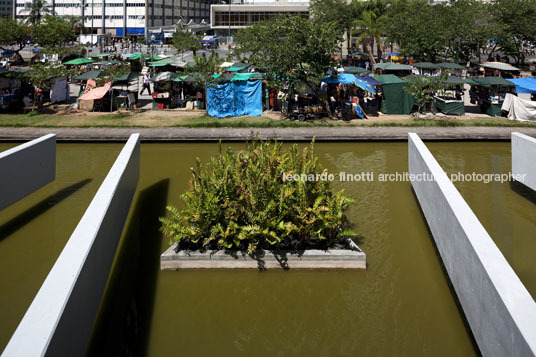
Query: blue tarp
[(347, 78), (524, 85), (234, 99)]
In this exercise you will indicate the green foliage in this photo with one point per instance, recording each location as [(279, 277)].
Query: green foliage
[(424, 88), (38, 9), (204, 68), (293, 49), (370, 27), (41, 74), (13, 33), (53, 32), (184, 40), (243, 202)]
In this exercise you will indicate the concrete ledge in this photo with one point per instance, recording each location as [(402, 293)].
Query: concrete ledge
[(307, 259), (26, 168), (499, 309), (283, 134), (60, 319), (524, 158)]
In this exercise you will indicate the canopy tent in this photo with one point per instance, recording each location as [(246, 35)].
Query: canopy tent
[(389, 66), (370, 80), (79, 61), (492, 81), (241, 65), (105, 63), (100, 55), (136, 56), (347, 78), (524, 85), (96, 93), (89, 75), (450, 65), (426, 65), (396, 100), (456, 81), (360, 54), (127, 77), (355, 70), (519, 109), (181, 78), (164, 62), (164, 76), (500, 66), (226, 64), (242, 77), (235, 99)]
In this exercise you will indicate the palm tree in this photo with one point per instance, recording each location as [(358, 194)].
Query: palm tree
[(38, 10), (369, 28)]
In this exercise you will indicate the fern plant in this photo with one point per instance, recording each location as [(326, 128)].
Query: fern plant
[(242, 201)]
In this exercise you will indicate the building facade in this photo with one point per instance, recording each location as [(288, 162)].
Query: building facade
[(6, 8), (225, 19), (125, 18)]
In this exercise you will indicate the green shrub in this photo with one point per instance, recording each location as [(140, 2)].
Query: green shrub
[(242, 202)]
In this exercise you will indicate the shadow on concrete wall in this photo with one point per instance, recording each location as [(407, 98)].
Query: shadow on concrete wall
[(123, 323), (35, 211), (523, 190)]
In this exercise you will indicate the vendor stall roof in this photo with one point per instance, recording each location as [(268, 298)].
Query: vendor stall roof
[(99, 55), (89, 75), (242, 77), (164, 76), (241, 65), (182, 78), (450, 65), (360, 54), (389, 66), (164, 62), (453, 80), (355, 70), (500, 66), (524, 85), (426, 65), (388, 79), (127, 77), (79, 61), (370, 80), (105, 63), (136, 56), (493, 81)]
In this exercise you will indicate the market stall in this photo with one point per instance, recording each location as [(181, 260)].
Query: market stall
[(235, 98), (456, 69), (395, 100), (490, 92), (401, 70), (524, 85), (499, 69), (426, 68), (450, 101)]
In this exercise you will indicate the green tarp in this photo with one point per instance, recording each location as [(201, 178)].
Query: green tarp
[(79, 61), (137, 56), (450, 107), (89, 75), (355, 70), (425, 65), (99, 55), (396, 100), (163, 62), (388, 66), (233, 69), (182, 78), (106, 63), (241, 65), (493, 81), (242, 77), (127, 77)]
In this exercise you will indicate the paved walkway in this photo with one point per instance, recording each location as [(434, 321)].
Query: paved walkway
[(283, 134)]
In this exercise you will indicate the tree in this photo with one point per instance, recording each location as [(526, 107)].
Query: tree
[(38, 10), (13, 33), (515, 25), (424, 88), (291, 50), (418, 28), (77, 23), (338, 13), (370, 28), (183, 41), (42, 75), (53, 32), (204, 68)]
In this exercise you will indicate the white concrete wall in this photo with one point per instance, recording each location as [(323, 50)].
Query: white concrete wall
[(524, 158), (26, 168), (61, 316), (499, 309)]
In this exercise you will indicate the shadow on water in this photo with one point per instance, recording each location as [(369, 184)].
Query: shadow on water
[(523, 191), (44, 205), (123, 324), (447, 278)]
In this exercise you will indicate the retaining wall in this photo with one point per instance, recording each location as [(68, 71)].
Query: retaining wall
[(26, 168), (524, 158), (499, 309), (60, 319)]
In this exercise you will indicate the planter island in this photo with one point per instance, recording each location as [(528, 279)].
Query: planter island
[(333, 258)]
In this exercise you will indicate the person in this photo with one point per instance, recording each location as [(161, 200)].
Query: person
[(146, 84)]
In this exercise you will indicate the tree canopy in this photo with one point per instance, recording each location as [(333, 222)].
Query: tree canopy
[(53, 32), (13, 33), (291, 49)]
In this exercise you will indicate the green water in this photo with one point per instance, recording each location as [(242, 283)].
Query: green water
[(401, 305)]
